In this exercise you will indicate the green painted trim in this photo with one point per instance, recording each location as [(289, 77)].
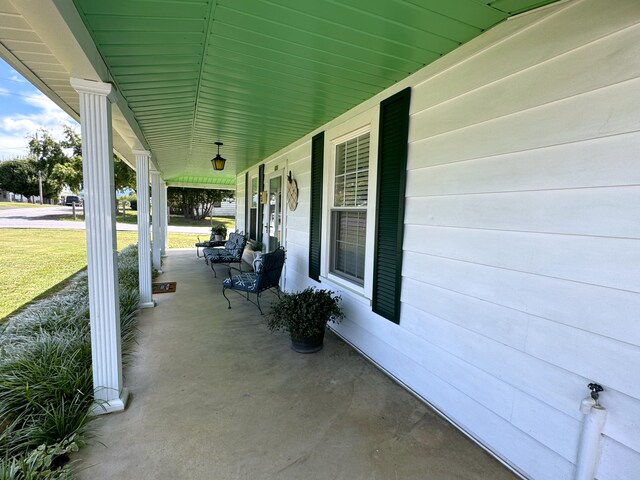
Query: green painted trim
[(210, 186), (259, 75), (203, 180)]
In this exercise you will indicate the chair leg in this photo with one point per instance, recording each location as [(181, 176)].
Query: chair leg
[(226, 298), (215, 275), (258, 302)]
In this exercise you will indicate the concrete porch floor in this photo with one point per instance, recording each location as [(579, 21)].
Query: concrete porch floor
[(214, 395)]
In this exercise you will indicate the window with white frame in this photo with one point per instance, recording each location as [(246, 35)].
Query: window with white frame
[(356, 230), (349, 209)]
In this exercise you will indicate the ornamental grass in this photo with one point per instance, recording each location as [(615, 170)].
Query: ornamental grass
[(46, 379)]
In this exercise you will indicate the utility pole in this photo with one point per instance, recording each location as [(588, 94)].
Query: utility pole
[(39, 173), (40, 184)]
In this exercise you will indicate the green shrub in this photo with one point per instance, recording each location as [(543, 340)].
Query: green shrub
[(304, 314), (43, 463), (46, 380)]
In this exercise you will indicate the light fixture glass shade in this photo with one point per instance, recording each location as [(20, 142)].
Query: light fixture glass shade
[(218, 162)]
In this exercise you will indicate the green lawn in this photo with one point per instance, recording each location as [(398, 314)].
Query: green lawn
[(22, 205), (34, 261), (131, 217)]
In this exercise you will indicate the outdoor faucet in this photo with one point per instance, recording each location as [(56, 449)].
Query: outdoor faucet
[(595, 391)]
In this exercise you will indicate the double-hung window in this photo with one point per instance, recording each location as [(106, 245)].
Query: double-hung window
[(356, 230), (349, 209)]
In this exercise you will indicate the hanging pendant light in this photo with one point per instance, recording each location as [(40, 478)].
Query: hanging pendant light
[(218, 162)]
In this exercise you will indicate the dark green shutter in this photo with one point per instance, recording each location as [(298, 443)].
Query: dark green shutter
[(247, 196), (315, 222), (392, 173), (260, 206)]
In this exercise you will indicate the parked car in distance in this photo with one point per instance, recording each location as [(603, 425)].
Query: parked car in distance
[(71, 199)]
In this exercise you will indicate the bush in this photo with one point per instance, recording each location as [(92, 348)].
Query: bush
[(219, 229), (304, 314), (46, 380), (43, 463)]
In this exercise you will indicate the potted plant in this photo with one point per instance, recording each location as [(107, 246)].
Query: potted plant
[(256, 246), (220, 231), (305, 315)]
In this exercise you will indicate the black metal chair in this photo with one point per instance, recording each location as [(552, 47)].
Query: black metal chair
[(230, 253), (266, 275), (212, 242)]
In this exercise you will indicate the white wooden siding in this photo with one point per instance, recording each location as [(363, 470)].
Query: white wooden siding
[(522, 237), (523, 202)]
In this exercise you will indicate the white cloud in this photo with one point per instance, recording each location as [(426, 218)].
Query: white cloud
[(15, 129), (12, 146), (18, 79)]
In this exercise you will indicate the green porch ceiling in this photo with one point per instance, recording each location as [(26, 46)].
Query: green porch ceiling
[(259, 74)]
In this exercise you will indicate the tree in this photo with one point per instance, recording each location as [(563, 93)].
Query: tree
[(71, 172), (195, 203), (60, 169), (19, 176), (124, 175)]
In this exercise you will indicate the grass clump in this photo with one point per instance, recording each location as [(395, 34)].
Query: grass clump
[(46, 380)]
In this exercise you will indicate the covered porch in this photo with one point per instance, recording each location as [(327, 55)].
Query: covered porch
[(217, 396), (487, 259)]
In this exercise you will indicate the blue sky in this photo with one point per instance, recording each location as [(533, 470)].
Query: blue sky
[(24, 110)]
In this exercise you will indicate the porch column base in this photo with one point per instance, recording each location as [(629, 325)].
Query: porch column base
[(151, 304), (111, 406)]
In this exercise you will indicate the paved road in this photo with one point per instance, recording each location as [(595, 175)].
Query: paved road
[(44, 217)]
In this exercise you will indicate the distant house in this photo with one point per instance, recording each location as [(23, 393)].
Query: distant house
[(14, 197), (226, 208)]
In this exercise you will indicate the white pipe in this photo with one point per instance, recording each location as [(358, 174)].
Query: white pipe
[(589, 449)]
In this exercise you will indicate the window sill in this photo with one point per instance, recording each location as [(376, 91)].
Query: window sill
[(346, 288)]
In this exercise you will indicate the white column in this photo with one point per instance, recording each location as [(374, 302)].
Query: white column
[(164, 219), (156, 217), (144, 235), (100, 215)]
